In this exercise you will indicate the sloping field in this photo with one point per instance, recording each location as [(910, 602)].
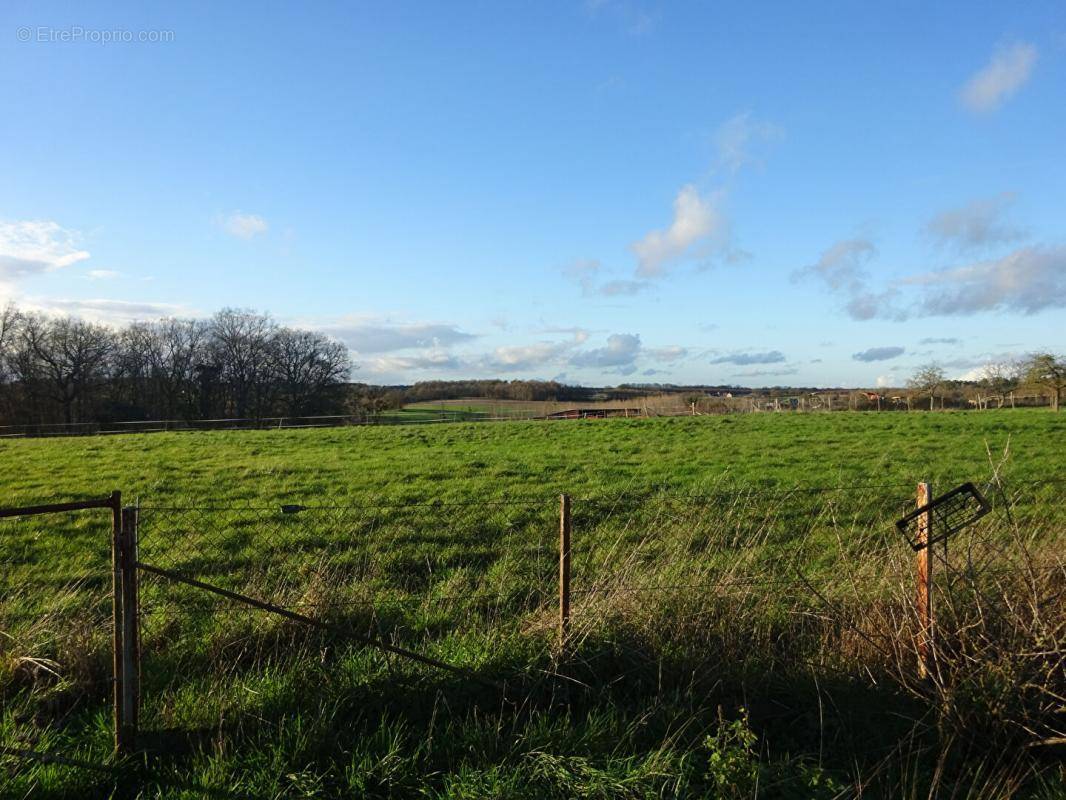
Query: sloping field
[(743, 618)]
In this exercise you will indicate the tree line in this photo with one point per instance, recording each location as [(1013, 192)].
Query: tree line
[(1041, 372), (238, 363)]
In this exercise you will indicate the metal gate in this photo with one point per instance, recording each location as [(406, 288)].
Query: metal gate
[(62, 624)]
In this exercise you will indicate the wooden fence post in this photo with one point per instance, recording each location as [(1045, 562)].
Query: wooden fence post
[(116, 621), (131, 649), (564, 568), (924, 595)]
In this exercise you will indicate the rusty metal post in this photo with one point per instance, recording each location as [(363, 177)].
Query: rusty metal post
[(117, 622), (564, 568), (131, 650), (924, 594)]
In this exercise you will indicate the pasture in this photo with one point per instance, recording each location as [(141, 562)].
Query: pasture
[(741, 617)]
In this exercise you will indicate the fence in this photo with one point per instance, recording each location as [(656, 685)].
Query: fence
[(63, 610), (205, 596), (60, 429), (423, 414)]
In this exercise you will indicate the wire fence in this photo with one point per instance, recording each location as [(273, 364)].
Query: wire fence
[(441, 578), (64, 429)]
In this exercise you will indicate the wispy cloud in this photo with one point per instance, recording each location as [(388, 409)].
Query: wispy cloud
[(668, 354), (1002, 77), (1025, 281), (744, 359), (31, 247), (765, 373), (697, 220), (107, 311), (635, 17), (620, 288), (434, 360), (243, 226), (378, 336), (976, 225), (842, 268), (588, 274), (738, 139), (879, 354), (102, 274)]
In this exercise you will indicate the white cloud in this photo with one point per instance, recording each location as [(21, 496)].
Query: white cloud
[(621, 351), (696, 220), (243, 226), (580, 335), (765, 373), (517, 358), (587, 274), (940, 340), (668, 354), (1008, 70), (32, 247), (975, 374), (1026, 281), (884, 381), (106, 311), (843, 269), (736, 139), (842, 266), (620, 288), (976, 225), (746, 359), (102, 274), (433, 360), (367, 335), (879, 354)]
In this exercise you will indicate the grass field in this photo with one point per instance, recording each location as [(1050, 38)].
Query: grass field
[(701, 662)]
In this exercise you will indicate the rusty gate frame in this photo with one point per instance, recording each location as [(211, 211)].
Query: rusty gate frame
[(125, 676)]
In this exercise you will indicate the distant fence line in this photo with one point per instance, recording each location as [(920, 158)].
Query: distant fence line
[(233, 424), (707, 406)]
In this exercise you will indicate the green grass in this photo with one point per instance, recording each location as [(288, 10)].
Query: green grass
[(470, 461), (441, 538)]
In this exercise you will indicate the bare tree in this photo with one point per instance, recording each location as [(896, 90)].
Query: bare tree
[(170, 351), (9, 317), (239, 362), (9, 393), (64, 357), (998, 378), (1047, 371), (306, 367), (240, 349), (928, 379)]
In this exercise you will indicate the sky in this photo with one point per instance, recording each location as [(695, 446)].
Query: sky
[(598, 192)]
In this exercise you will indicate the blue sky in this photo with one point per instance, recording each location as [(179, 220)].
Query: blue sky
[(805, 194)]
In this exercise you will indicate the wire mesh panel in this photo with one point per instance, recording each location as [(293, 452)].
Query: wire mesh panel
[(452, 581), (56, 635), (666, 557), (947, 514)]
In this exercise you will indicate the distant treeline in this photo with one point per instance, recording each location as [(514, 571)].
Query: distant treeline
[(496, 389), (235, 364)]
